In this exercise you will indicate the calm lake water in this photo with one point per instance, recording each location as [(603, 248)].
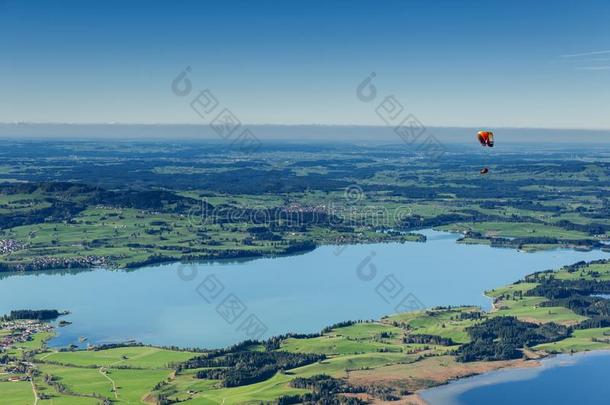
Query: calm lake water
[(217, 304), (565, 379)]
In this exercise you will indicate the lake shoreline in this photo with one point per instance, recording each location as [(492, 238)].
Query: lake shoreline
[(549, 361), (234, 256), (95, 262), (516, 364), (416, 398)]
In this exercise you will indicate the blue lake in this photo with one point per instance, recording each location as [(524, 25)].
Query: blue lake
[(221, 303), (565, 379)]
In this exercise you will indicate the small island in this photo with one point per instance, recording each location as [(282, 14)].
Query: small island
[(39, 315)]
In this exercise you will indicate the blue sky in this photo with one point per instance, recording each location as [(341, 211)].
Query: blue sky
[(470, 63)]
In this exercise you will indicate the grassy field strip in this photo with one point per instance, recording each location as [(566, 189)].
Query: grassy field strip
[(269, 390), (91, 372), (140, 357), (46, 355), (582, 340), (16, 393)]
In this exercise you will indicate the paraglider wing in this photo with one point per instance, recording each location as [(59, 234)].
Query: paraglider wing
[(486, 138)]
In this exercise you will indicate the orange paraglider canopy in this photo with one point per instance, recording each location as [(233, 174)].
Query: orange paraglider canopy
[(486, 138)]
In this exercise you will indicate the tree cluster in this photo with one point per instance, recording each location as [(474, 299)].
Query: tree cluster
[(502, 337)]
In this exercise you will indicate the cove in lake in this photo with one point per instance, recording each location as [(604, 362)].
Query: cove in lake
[(166, 305), (578, 379)]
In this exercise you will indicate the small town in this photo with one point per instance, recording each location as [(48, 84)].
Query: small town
[(10, 245), (13, 333), (20, 331), (54, 262)]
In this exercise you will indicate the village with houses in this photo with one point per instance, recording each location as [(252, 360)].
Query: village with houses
[(15, 336)]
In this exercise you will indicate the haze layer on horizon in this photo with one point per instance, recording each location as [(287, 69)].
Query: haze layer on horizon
[(292, 133)]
